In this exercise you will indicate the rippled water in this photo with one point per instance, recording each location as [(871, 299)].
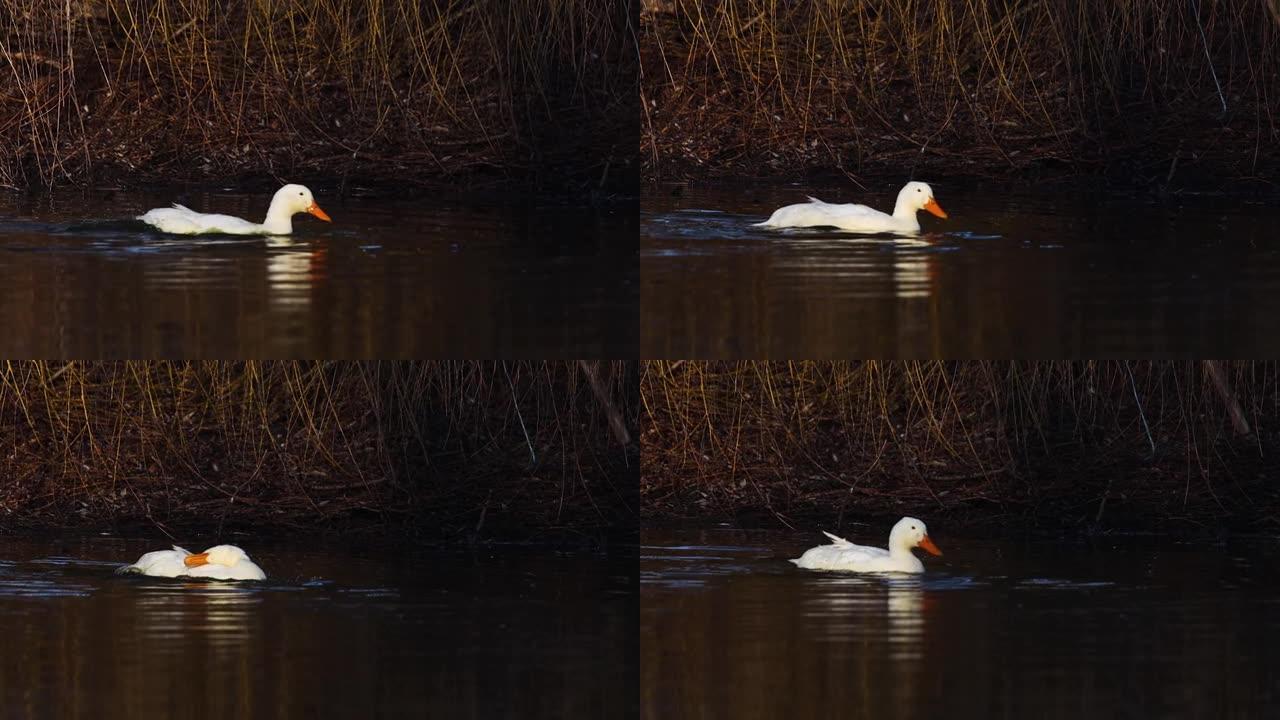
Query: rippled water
[(331, 633), (1021, 274), (1117, 628), (429, 278)]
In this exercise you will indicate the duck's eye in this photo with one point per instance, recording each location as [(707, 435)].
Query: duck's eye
[(299, 194)]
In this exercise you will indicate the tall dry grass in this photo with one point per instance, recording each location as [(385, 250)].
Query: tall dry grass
[(983, 86), (440, 448), (1075, 443), (429, 92)]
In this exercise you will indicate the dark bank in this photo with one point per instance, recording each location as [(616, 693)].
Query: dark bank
[(1180, 448), (433, 452)]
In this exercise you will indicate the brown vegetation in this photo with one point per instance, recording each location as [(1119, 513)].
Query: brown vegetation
[(1102, 445), (1141, 89), (438, 449), (444, 92)]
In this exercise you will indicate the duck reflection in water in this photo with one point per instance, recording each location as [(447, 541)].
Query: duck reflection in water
[(874, 631)]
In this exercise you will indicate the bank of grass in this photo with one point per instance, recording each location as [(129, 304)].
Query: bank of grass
[(520, 94), (1060, 446), (437, 450), (1146, 91)]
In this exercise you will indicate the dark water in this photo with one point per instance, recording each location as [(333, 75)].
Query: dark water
[(1022, 274), (331, 633), (386, 279), (730, 629)]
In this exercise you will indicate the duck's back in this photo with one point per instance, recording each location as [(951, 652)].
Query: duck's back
[(159, 563), (816, 213), (859, 558), (180, 220)]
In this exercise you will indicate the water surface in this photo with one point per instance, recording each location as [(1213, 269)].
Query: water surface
[(412, 279), (331, 633), (1011, 274), (1117, 628)]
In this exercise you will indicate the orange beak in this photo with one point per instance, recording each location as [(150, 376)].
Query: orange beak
[(935, 209), (925, 543), (315, 210), (196, 560)]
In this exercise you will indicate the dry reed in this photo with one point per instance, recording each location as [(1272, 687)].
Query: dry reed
[(1138, 88), (437, 448), (1062, 444), (443, 91)]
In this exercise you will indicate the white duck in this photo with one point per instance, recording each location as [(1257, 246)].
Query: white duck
[(159, 563), (914, 197), (220, 562), (287, 202), (841, 554), (223, 562)]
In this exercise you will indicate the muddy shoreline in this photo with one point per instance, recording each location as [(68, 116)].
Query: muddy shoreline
[(1155, 175), (371, 538), (376, 190), (474, 189), (980, 522), (887, 181)]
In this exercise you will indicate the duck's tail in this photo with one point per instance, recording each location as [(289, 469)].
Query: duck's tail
[(836, 540)]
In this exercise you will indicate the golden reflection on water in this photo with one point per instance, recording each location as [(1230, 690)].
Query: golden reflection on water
[(222, 613), (887, 612), (292, 272)]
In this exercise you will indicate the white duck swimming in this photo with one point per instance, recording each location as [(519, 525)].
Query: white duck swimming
[(914, 197), (841, 554), (223, 562), (220, 562), (287, 202)]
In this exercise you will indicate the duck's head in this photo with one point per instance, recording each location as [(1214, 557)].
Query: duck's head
[(911, 533), (298, 199), (227, 555), (919, 196)]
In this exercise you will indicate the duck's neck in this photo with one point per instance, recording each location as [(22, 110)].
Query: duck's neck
[(903, 210), (279, 218), (899, 548)]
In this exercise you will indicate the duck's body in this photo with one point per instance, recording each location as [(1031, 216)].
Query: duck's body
[(220, 562), (182, 220), (843, 555), (159, 563), (288, 201), (913, 197)]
